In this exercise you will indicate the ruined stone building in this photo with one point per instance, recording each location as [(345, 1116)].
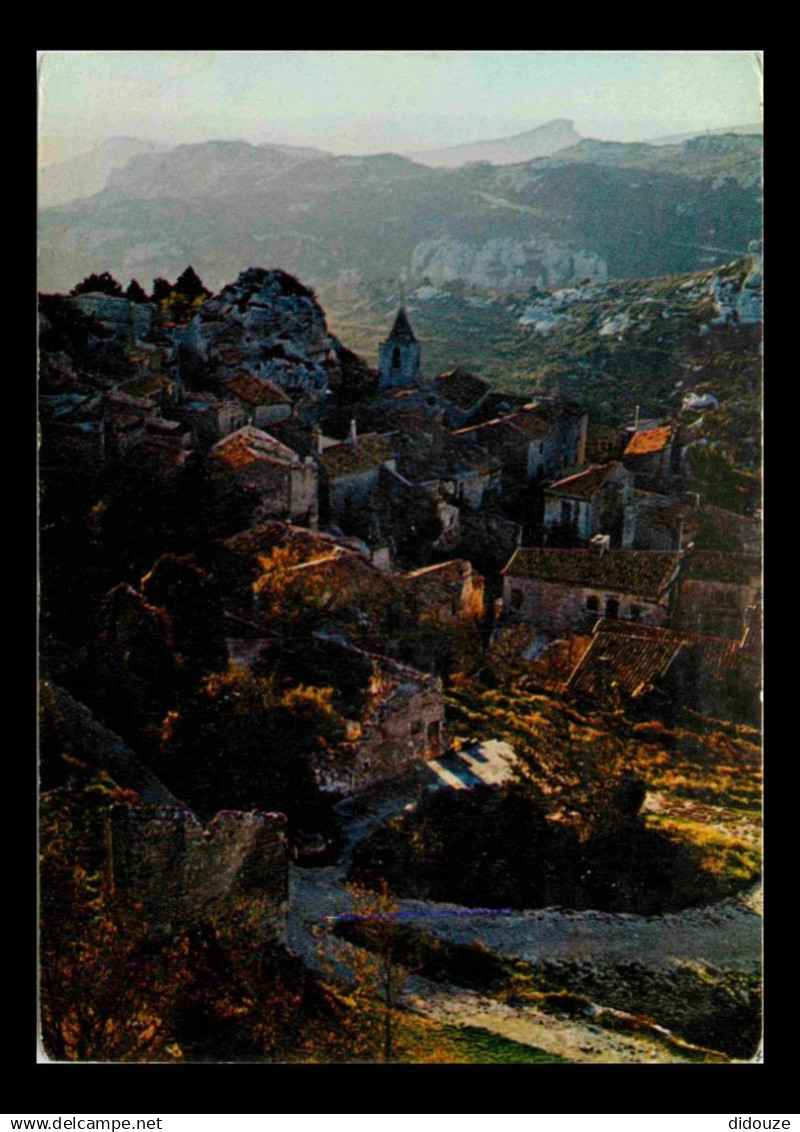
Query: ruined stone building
[(560, 591), (399, 355), (286, 486), (592, 502), (447, 592), (716, 590), (182, 873), (394, 713)]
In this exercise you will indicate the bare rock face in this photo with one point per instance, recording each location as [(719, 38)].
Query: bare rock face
[(504, 263), (269, 323)]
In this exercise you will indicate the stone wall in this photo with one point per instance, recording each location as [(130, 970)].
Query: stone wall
[(555, 608), (181, 872), (716, 609)]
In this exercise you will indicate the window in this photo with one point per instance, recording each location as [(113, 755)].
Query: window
[(516, 599), (592, 605), (612, 607), (396, 358), (636, 612), (566, 514)]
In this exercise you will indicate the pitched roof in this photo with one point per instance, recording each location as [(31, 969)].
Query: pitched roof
[(584, 484), (309, 546), (635, 655), (250, 446), (647, 573), (256, 390), (649, 440), (401, 330), (461, 388), (346, 459), (720, 566)]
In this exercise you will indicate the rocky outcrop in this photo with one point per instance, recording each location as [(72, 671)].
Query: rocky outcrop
[(505, 264), (270, 324), (127, 320)]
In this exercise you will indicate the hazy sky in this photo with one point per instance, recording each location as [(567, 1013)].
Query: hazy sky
[(373, 101)]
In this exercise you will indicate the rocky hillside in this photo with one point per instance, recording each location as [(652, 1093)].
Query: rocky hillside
[(651, 343), (595, 210), (268, 323), (87, 173)]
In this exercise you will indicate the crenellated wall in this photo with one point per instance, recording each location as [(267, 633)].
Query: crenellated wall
[(181, 872)]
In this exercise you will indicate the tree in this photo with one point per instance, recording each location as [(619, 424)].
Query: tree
[(244, 742), (104, 284), (368, 974), (190, 285), (136, 293), (162, 289)]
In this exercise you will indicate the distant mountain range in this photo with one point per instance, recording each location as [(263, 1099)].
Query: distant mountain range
[(599, 210), (539, 142), (87, 173)]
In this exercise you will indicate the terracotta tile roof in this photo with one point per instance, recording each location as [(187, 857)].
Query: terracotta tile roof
[(249, 446), (461, 388), (720, 566), (647, 573), (584, 484), (649, 440), (256, 390), (634, 656), (346, 459)]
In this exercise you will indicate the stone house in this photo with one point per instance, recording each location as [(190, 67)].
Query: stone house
[(715, 591), (286, 485), (537, 442), (652, 456), (208, 417), (561, 591), (261, 400), (350, 473), (588, 503)]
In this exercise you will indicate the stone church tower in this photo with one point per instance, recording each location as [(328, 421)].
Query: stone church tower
[(398, 356)]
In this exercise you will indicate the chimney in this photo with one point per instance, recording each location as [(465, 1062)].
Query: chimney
[(316, 438), (600, 544), (636, 419), (353, 434)]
